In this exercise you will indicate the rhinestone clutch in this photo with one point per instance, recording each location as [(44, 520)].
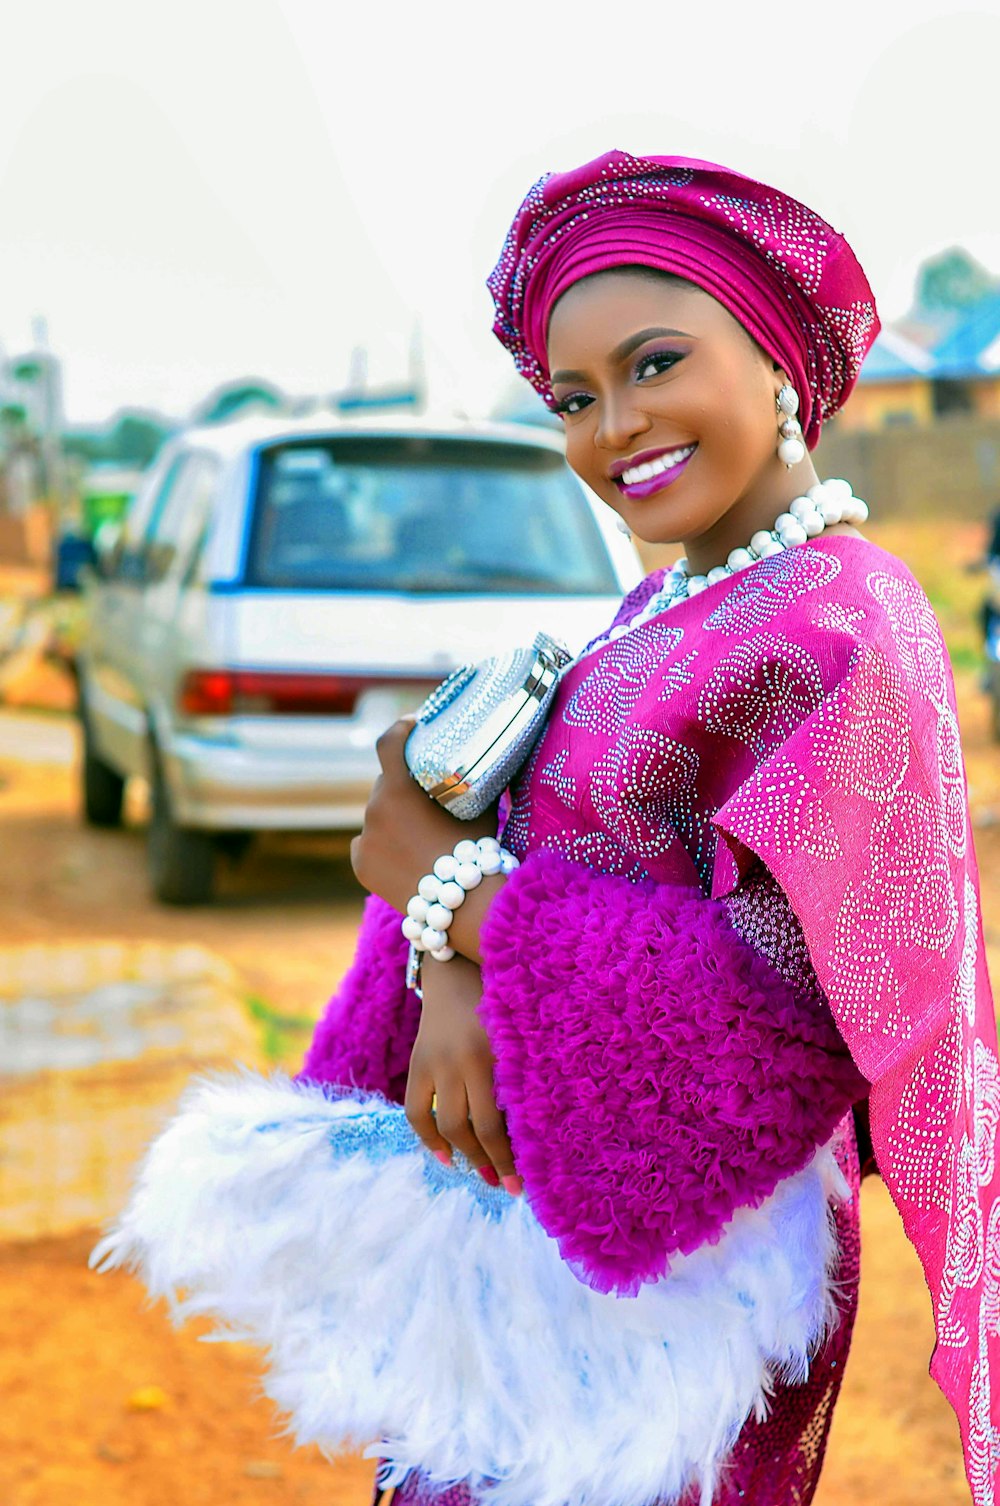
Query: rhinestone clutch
[(477, 728)]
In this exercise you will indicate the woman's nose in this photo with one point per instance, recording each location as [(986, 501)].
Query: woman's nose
[(619, 424)]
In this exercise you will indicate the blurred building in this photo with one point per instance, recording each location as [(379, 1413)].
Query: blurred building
[(32, 474), (896, 386), (33, 381), (967, 362), (240, 397), (942, 360)]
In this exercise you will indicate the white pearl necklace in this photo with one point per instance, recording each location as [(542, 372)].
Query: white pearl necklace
[(826, 503), (819, 508)]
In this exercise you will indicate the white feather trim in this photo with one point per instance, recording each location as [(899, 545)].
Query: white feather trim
[(407, 1303)]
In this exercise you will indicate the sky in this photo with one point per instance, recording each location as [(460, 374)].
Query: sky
[(199, 191)]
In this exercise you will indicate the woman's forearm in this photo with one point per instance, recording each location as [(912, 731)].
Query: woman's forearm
[(464, 931)]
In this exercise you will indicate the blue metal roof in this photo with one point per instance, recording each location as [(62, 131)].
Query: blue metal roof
[(893, 357), (973, 347)]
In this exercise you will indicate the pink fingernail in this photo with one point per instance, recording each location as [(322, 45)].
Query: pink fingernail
[(489, 1176), (513, 1185), (444, 1157)]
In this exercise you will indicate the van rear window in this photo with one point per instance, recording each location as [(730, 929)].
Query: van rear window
[(423, 514)]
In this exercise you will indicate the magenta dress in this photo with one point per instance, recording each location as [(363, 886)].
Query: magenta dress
[(786, 745)]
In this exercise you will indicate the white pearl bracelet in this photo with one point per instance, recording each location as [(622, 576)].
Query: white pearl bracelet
[(431, 910)]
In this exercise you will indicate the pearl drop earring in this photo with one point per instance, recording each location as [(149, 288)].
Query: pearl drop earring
[(623, 527), (791, 449)]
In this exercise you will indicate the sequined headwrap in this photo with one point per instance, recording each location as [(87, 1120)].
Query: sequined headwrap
[(786, 275)]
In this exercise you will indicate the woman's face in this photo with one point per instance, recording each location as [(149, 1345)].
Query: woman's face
[(645, 371)]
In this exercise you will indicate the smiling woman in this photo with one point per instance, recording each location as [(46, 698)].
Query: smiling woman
[(695, 400), (783, 736), (736, 908)]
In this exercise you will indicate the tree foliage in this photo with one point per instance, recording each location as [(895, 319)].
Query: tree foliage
[(953, 280), (133, 439)]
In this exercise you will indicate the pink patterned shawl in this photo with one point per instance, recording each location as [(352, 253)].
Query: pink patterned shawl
[(803, 714)]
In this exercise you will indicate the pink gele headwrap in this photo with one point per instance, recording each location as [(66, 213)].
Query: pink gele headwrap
[(786, 275)]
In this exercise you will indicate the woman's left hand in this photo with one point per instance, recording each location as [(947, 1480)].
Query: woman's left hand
[(405, 830)]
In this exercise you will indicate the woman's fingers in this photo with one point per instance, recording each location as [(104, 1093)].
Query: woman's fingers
[(461, 1115), (440, 1115), (453, 1122), (491, 1131), (390, 744), (419, 1107)]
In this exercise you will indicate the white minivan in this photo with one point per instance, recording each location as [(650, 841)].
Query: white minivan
[(281, 590)]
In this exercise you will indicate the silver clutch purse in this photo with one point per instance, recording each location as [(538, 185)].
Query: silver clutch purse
[(477, 728)]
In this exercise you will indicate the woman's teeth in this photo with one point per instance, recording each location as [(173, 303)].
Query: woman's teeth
[(656, 467)]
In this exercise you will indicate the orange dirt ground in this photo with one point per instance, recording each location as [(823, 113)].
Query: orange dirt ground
[(105, 1405)]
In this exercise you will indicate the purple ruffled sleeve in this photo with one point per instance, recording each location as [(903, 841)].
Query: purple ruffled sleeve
[(367, 1031), (656, 1071)]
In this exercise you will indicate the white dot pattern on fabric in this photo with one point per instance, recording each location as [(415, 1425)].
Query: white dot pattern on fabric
[(853, 326), (910, 867), (517, 831), (984, 1092), (622, 672), (863, 986), (782, 803), (790, 235), (643, 789), (984, 1435), (760, 594), (835, 617), (966, 1250), (951, 775), (927, 1108), (596, 850), (552, 774), (932, 1095), (972, 1252), (965, 983), (861, 736), (906, 899), (917, 634), (761, 691), (992, 1269)]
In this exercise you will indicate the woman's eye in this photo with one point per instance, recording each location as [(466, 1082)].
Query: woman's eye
[(575, 403), (659, 362)]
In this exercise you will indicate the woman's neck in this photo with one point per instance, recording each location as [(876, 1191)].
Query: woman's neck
[(755, 510)]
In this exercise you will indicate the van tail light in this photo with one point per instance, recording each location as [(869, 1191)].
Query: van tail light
[(251, 692)]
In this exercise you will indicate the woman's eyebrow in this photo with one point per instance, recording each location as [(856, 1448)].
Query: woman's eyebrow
[(633, 342), (623, 351)]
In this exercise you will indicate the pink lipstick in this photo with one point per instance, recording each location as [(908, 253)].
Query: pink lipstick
[(661, 472)]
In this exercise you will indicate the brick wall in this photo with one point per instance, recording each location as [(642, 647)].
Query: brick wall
[(952, 465)]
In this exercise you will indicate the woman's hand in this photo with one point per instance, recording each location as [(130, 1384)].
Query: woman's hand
[(452, 1060), (405, 831)]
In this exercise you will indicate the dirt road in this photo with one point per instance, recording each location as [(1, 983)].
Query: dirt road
[(104, 1405)]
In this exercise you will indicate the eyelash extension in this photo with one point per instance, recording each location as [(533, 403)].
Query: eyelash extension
[(670, 356), (563, 409)]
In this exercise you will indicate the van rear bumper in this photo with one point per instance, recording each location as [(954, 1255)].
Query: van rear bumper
[(226, 787)]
